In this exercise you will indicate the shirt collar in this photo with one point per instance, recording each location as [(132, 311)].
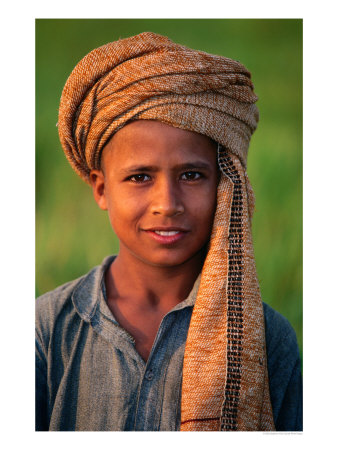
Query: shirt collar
[(86, 295)]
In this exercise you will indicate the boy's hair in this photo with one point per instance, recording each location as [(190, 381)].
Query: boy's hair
[(225, 379)]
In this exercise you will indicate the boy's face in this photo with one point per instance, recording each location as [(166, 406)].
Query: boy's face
[(159, 186)]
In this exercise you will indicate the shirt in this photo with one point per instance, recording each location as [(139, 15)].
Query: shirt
[(89, 376)]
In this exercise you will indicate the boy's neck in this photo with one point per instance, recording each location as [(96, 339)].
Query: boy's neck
[(149, 286), (140, 295)]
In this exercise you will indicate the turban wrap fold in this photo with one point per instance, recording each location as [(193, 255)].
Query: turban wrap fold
[(225, 380)]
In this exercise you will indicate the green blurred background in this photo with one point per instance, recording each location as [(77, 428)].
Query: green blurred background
[(73, 234)]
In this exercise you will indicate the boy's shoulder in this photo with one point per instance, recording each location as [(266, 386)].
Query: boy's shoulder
[(277, 327), (55, 299), (81, 294), (281, 339)]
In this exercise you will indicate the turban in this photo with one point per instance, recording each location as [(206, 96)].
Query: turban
[(225, 380)]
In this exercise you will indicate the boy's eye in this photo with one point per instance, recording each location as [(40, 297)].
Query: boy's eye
[(191, 176), (139, 178)]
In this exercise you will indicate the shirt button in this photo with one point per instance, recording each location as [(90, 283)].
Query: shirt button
[(149, 375)]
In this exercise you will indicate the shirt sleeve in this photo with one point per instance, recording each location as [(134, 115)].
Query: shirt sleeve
[(284, 368)]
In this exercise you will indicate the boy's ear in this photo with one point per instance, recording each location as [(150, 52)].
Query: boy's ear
[(98, 185)]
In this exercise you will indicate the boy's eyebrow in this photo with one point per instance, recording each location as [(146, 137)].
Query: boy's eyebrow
[(184, 166), (194, 165)]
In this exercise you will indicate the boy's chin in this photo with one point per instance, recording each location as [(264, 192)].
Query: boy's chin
[(170, 260)]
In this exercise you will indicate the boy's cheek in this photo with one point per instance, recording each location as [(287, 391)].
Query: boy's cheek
[(123, 219)]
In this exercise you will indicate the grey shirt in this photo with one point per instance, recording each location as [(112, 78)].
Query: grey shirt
[(90, 377)]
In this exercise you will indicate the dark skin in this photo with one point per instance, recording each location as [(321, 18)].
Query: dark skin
[(159, 186)]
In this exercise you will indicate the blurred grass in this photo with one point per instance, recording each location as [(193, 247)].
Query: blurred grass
[(73, 235)]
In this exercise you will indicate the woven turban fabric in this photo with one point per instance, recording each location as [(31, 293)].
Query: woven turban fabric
[(225, 380)]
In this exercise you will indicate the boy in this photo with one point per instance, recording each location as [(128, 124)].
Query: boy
[(171, 334)]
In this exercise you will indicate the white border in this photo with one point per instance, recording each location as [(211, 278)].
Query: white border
[(320, 222)]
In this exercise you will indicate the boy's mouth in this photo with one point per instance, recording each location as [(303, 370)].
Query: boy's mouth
[(166, 235)]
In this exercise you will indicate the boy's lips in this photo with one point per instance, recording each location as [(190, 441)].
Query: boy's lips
[(166, 235)]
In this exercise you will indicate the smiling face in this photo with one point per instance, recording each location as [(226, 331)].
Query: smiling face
[(159, 186)]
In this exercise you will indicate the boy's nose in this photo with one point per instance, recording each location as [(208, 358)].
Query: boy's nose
[(166, 200)]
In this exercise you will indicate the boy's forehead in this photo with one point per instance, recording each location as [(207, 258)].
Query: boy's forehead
[(148, 141), (145, 130)]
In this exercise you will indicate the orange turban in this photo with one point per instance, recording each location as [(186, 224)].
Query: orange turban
[(150, 77)]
